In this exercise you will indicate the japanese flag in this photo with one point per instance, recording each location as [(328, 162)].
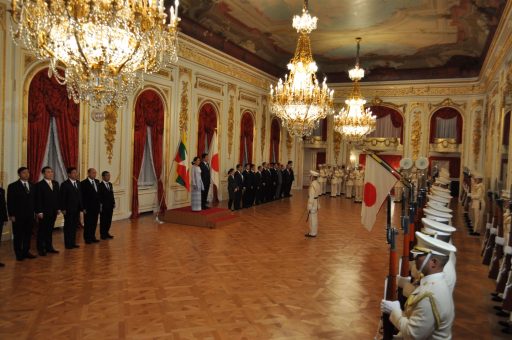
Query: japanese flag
[(378, 182)]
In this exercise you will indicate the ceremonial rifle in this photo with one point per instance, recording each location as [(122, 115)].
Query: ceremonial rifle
[(404, 267), (486, 259), (391, 286), (467, 202), (497, 254), (501, 281), (412, 216), (489, 222)]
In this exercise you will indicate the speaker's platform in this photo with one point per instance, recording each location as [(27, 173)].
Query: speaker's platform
[(211, 218)]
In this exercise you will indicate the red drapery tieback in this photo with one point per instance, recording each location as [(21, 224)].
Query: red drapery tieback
[(445, 113), (246, 136), (206, 127), (46, 99), (396, 118), (275, 138), (149, 112)]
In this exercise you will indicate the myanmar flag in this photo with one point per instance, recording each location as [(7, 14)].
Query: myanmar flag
[(182, 170)]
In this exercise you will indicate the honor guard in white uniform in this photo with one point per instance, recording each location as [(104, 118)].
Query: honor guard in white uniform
[(339, 175), (334, 182), (322, 179), (358, 183), (313, 204), (477, 204), (350, 184), (429, 311)]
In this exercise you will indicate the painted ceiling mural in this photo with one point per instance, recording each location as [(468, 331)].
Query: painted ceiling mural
[(402, 39)]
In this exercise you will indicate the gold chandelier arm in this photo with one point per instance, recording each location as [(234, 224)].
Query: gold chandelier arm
[(306, 5)]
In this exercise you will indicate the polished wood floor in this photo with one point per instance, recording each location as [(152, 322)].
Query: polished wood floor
[(256, 279)]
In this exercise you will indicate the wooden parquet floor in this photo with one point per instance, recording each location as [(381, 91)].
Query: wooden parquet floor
[(256, 279)]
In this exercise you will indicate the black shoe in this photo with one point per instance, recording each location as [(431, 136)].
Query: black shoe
[(95, 240), (76, 246), (497, 299), (30, 256), (503, 314), (88, 242), (474, 233), (307, 235), (507, 330), (104, 237), (505, 323), (110, 236), (53, 251), (2, 265), (70, 247), (494, 294), (19, 258), (41, 253), (498, 308)]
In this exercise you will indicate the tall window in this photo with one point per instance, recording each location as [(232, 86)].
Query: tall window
[(446, 123), (53, 121), (275, 140), (147, 176), (246, 138), (389, 123), (206, 127)]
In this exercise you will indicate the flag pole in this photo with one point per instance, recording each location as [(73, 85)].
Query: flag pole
[(389, 168), (166, 177)]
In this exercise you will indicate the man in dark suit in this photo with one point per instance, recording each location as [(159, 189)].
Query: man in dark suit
[(20, 206), (47, 209), (258, 197), (265, 182), (239, 181), (91, 203), (246, 195), (232, 188), (254, 184), (206, 178), (273, 182), (3, 215), (71, 207), (286, 181), (107, 205), (291, 178)]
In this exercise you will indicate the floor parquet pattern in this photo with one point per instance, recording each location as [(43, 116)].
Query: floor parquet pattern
[(255, 279)]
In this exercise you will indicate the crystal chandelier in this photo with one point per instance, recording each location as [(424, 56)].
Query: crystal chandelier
[(299, 101), (354, 122), (104, 47)]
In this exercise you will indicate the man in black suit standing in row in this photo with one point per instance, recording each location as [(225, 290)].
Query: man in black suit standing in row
[(47, 209), (239, 181), (107, 205), (20, 206), (206, 178), (91, 203), (3, 215), (71, 207)]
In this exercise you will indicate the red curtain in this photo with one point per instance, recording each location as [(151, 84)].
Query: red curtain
[(275, 139), (46, 99), (207, 126), (393, 160), (446, 113), (149, 112), (396, 118), (506, 129), (246, 136), (454, 166)]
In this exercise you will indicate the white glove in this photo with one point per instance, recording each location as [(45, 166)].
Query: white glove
[(500, 241), (402, 281), (508, 250), (494, 231), (388, 306)]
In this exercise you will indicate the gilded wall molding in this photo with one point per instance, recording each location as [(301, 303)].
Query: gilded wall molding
[(263, 129), (231, 123), (110, 130), (448, 102), (337, 146), (404, 91), (209, 84), (289, 144), (3, 18), (398, 107), (416, 134), (185, 71), (234, 69), (247, 96), (183, 116), (477, 136)]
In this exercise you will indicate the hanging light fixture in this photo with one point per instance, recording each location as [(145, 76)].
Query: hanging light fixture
[(103, 46), (299, 101), (354, 122)]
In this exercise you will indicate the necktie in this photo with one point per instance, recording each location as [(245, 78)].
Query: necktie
[(74, 184), (93, 182), (25, 184), (50, 184)]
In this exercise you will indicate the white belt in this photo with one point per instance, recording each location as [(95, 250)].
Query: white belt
[(508, 250), (494, 231), (500, 241)]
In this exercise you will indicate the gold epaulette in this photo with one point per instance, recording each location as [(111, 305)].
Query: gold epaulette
[(413, 300)]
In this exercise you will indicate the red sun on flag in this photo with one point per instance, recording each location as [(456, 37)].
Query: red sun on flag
[(369, 194), (215, 162)]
